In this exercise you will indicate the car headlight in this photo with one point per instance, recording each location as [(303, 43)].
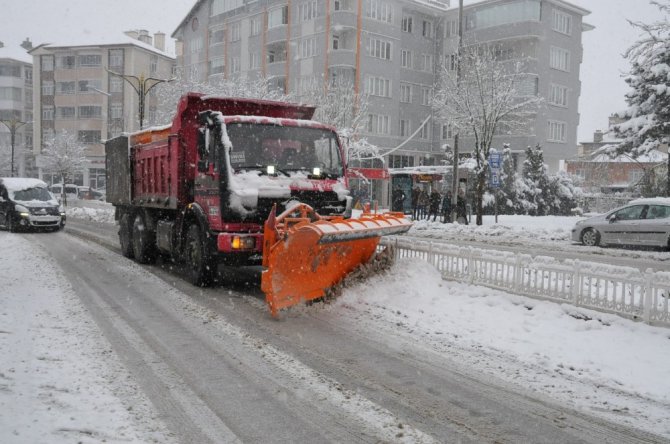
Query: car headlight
[(23, 211)]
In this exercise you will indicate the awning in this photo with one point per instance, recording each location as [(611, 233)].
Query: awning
[(368, 173)]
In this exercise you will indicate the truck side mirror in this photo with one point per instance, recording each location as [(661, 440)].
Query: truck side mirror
[(203, 150)]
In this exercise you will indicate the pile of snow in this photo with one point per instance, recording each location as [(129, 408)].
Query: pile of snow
[(103, 213)]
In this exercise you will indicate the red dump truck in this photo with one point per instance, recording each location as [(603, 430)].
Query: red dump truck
[(242, 182)]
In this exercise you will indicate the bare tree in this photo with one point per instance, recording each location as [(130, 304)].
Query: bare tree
[(64, 156), (487, 101)]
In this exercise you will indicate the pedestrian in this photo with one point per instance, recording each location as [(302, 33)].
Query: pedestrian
[(423, 202), (397, 199), (446, 208), (434, 206), (415, 202), (461, 211)]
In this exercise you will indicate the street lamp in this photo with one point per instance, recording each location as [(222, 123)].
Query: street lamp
[(142, 85), (13, 125)]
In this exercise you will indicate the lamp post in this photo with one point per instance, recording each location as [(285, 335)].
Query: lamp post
[(667, 189), (142, 85), (13, 125)]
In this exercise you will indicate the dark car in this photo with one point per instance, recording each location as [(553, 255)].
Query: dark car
[(28, 204)]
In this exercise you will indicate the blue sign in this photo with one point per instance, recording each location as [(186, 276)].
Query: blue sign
[(495, 160)]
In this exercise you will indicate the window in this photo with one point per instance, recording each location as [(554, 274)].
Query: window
[(559, 58), (496, 15), (88, 136), (558, 95), (47, 112), (447, 131), (90, 112), (406, 58), (426, 62), (255, 25), (399, 161), (378, 124), (426, 95), (235, 32), (556, 131), (153, 64), (379, 10), (451, 61), (378, 86), (405, 128), (116, 57), (47, 87), (307, 11), (216, 66), (307, 48), (380, 49), (451, 28), (655, 211), (116, 111), (528, 86), (406, 24), (90, 60), (10, 93), (561, 22), (254, 60), (28, 76), (220, 6), (424, 132), (635, 176), (65, 88), (278, 17), (234, 64), (47, 62), (336, 42), (427, 29), (66, 62), (216, 36), (405, 93), (115, 84), (195, 45), (87, 86)]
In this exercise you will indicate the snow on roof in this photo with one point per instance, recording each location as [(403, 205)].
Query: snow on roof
[(21, 183), (601, 155), (103, 40), (15, 52)]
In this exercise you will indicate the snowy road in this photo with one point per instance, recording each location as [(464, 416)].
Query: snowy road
[(219, 369)]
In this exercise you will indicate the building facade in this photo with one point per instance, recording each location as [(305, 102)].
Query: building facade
[(16, 109), (392, 50), (76, 90)]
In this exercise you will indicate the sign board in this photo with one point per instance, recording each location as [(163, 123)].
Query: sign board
[(495, 160), (495, 163)]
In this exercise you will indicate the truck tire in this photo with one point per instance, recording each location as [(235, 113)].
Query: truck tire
[(143, 243), (200, 268), (125, 236)]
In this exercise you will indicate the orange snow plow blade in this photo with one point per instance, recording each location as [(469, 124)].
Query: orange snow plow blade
[(304, 254)]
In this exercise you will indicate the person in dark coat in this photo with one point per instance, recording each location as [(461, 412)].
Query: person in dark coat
[(423, 203), (397, 200), (415, 202), (434, 206), (461, 210), (446, 208)]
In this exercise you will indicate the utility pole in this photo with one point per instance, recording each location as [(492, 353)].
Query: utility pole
[(142, 85), (454, 181), (13, 125)]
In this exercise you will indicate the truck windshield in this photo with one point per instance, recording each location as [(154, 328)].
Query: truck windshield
[(288, 148)]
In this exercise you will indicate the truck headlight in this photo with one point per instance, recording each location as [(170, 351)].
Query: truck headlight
[(243, 243)]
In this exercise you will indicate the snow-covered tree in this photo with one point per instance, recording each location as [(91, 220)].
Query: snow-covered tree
[(64, 156), (536, 177), (508, 195), (486, 101), (647, 118)]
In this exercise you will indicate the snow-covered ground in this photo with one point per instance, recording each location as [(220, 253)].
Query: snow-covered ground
[(63, 382)]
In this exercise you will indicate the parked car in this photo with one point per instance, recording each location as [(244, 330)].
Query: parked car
[(28, 203), (640, 222), (71, 190), (88, 193)]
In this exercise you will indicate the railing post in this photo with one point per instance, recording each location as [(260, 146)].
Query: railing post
[(647, 300), (430, 253), (471, 266), (575, 288)]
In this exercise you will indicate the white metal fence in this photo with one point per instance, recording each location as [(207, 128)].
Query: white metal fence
[(621, 290)]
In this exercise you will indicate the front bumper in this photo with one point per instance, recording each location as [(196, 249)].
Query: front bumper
[(35, 221), (576, 234)]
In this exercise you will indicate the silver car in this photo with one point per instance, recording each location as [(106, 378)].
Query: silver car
[(641, 222)]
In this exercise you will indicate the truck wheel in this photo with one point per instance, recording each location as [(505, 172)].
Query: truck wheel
[(143, 241), (125, 236), (200, 268)]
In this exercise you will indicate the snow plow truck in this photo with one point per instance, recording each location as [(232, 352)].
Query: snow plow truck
[(243, 182)]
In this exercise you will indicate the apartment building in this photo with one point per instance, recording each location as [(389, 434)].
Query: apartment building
[(393, 51), (16, 108), (76, 91)]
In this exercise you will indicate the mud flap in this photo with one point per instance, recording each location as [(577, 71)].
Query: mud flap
[(305, 254)]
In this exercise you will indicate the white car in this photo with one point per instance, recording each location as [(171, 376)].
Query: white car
[(642, 222)]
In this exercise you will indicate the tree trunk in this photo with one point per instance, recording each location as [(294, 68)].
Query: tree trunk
[(481, 187)]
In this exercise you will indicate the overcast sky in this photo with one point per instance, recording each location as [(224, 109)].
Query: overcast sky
[(603, 88)]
